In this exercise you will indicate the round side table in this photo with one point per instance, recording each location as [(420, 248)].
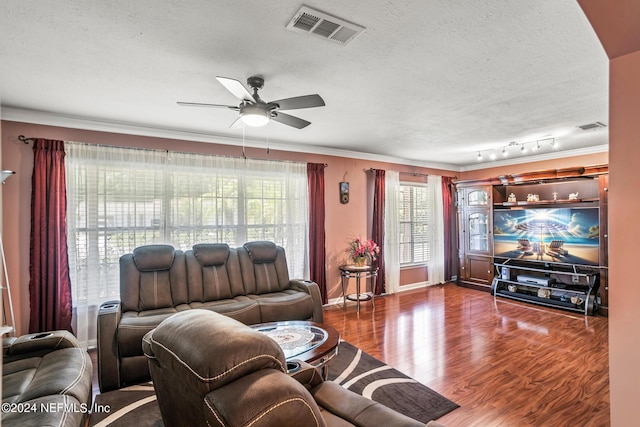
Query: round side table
[(359, 272)]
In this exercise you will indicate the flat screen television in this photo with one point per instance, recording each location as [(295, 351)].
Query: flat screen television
[(565, 235)]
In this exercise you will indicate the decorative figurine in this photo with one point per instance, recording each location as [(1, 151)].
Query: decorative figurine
[(573, 196), (555, 196), (511, 198)]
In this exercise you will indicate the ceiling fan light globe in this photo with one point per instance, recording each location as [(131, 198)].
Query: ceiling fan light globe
[(255, 120), (254, 115)]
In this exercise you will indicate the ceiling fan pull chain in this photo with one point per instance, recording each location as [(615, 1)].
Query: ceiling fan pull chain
[(243, 153), (267, 138)]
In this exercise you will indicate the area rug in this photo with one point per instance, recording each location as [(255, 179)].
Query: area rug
[(351, 368)]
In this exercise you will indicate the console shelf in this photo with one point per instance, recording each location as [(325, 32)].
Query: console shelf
[(566, 286)]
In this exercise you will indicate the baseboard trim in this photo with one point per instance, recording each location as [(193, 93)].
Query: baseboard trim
[(403, 288)]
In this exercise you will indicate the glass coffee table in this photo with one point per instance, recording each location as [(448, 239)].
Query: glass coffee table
[(310, 342)]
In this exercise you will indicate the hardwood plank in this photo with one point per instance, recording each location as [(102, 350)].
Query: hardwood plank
[(506, 363)]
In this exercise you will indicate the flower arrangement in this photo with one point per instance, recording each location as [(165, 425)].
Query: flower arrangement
[(359, 250)]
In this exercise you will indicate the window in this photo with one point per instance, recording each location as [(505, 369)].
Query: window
[(122, 198), (414, 219)]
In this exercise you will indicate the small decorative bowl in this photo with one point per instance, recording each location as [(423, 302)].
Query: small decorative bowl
[(576, 300), (544, 293)]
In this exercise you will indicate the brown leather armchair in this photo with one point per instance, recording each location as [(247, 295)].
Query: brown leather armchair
[(209, 369)]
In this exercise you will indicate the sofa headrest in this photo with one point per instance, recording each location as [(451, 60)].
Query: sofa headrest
[(211, 254), (261, 252), (215, 348), (153, 257)]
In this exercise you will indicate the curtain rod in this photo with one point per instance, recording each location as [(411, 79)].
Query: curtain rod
[(26, 140), (408, 173), (402, 173)]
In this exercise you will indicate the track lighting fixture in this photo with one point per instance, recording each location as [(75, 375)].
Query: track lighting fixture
[(533, 146)]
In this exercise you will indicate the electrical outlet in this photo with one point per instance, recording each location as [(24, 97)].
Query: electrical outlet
[(575, 279)]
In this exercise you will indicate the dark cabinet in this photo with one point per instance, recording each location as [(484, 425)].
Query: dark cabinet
[(475, 244)]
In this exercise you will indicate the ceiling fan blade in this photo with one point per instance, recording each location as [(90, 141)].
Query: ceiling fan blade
[(236, 88), (307, 101), (199, 104), (286, 119)]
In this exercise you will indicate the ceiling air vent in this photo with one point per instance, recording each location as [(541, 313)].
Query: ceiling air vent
[(593, 126), (328, 27)]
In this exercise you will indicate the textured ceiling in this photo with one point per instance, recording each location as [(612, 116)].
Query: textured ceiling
[(428, 82)]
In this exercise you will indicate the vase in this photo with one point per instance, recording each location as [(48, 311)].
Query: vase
[(360, 261)]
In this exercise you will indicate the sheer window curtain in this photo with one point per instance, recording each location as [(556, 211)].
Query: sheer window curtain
[(121, 198), (113, 206), (436, 231), (392, 232)]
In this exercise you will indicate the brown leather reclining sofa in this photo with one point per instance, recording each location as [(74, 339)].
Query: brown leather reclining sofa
[(250, 284)]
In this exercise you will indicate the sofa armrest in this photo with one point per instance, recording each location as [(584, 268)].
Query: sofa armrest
[(39, 344), (358, 410), (306, 374), (108, 358), (312, 289)]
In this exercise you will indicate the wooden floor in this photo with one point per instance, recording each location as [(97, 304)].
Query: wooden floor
[(505, 363)]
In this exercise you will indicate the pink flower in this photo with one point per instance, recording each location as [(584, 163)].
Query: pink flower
[(359, 248)]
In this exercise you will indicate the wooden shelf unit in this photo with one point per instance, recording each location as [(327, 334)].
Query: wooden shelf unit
[(476, 261)]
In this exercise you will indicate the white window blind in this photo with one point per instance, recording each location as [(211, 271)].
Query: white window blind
[(414, 217)]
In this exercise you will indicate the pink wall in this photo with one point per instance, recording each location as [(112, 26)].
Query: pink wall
[(624, 206), (342, 221), (616, 25)]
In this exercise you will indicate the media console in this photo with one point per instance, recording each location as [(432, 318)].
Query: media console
[(567, 286)]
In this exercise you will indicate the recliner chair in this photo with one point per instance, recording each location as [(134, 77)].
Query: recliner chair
[(209, 369)]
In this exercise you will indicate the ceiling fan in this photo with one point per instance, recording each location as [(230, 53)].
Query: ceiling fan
[(256, 112)]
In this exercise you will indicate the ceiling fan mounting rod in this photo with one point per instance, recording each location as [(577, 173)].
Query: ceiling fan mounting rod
[(255, 82)]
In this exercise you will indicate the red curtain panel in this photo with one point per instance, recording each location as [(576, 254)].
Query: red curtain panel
[(49, 283), (377, 232), (317, 253), (450, 231)]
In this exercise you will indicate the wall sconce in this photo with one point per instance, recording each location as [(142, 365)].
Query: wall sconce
[(6, 174)]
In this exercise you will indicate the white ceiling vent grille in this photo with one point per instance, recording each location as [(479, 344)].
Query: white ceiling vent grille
[(593, 126), (319, 24)]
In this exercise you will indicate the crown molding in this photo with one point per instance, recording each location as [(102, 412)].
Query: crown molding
[(84, 123), (76, 122)]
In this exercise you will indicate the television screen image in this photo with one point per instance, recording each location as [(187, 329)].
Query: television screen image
[(567, 235)]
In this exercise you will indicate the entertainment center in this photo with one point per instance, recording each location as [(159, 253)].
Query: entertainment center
[(538, 237)]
